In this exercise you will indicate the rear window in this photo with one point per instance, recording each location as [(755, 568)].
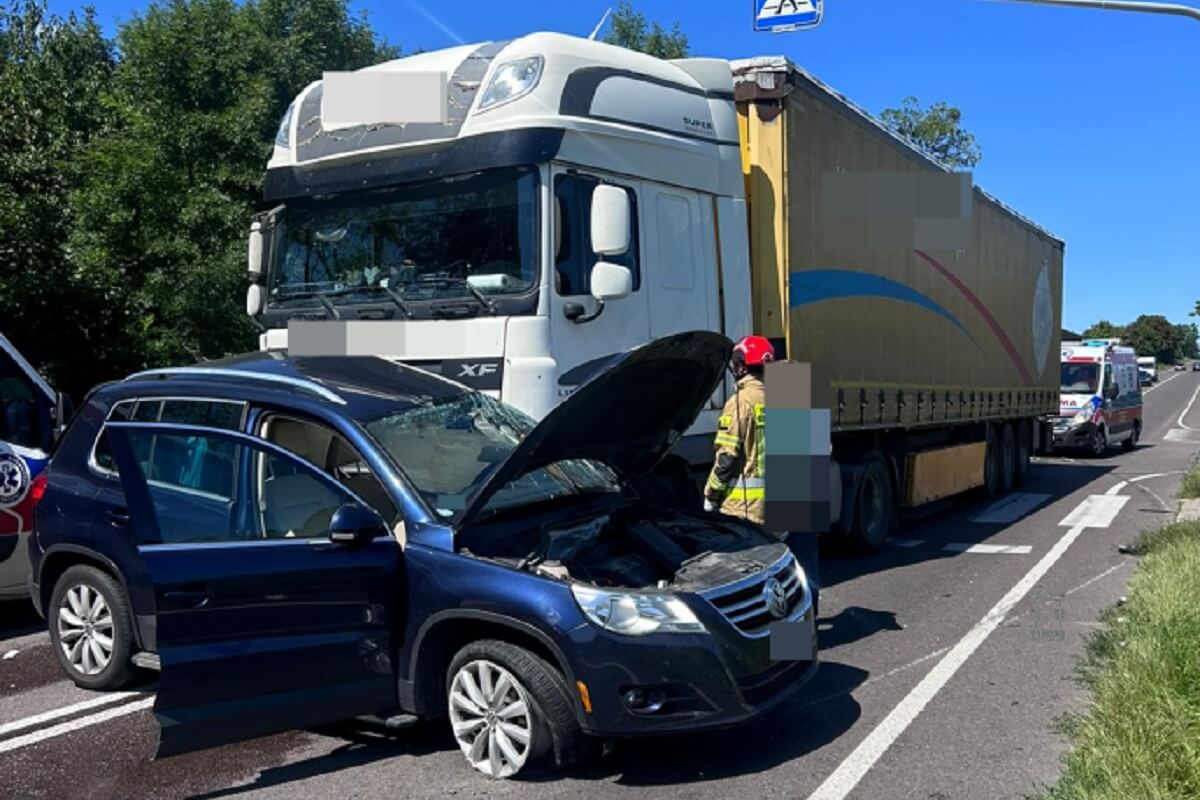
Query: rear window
[(224, 414)]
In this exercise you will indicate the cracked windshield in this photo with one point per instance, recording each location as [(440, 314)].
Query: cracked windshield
[(464, 237)]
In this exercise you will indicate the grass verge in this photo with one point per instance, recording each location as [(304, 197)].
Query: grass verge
[(1140, 740), (1190, 488)]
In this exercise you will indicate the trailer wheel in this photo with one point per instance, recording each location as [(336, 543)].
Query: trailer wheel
[(872, 506), (991, 464), (1008, 458), (1024, 451)]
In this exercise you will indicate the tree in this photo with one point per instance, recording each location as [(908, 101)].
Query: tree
[(53, 71), (162, 213), (1104, 330), (630, 29), (938, 129), (1152, 335)]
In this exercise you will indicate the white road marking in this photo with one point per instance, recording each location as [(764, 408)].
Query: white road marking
[(1009, 549), (1181, 435), (18, 742), (1141, 478), (1117, 488), (906, 542), (1097, 511), (842, 780), (66, 711), (1092, 580), (1162, 383), (893, 671), (1191, 403), (1011, 508)]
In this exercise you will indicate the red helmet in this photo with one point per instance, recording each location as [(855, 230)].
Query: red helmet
[(755, 350)]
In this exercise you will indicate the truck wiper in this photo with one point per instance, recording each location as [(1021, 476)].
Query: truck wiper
[(452, 280), (320, 297), (391, 293)]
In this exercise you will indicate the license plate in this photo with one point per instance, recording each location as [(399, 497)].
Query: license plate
[(792, 641)]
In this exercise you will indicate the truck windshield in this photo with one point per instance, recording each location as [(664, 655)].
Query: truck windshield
[(1080, 378), (425, 241), (449, 449)]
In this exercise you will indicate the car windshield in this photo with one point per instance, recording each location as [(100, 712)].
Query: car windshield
[(449, 449), (427, 241), (1080, 378)]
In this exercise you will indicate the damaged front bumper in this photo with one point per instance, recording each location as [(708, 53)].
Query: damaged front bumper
[(748, 662)]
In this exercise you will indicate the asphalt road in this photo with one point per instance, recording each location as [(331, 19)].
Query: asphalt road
[(948, 662)]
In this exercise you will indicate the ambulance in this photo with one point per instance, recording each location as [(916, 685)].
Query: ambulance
[(29, 410), (1100, 399)]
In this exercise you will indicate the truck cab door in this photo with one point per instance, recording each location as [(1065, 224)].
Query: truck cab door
[(262, 621), (582, 348)]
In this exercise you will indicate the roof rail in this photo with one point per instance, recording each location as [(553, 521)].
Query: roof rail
[(298, 383)]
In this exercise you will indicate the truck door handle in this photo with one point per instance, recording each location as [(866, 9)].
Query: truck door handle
[(118, 517), (188, 599)]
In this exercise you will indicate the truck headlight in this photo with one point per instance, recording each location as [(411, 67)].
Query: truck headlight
[(511, 80), (636, 614)]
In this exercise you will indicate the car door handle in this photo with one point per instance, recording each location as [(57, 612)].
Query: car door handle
[(189, 599), (118, 517)]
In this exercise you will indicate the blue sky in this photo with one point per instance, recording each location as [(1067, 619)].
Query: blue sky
[(1089, 120)]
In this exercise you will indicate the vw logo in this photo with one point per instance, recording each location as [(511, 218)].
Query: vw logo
[(775, 598), (14, 479)]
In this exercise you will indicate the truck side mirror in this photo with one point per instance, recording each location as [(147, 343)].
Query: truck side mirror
[(254, 299), (610, 221), (254, 256), (611, 281)]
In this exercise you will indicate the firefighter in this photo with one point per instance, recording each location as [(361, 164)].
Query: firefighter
[(735, 485)]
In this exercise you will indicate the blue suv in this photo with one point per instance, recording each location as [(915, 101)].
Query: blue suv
[(291, 541)]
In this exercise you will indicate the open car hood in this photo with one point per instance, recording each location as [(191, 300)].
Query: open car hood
[(627, 416)]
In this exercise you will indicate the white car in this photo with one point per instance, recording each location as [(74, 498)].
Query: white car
[(29, 411)]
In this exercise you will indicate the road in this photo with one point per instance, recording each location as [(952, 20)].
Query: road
[(948, 661)]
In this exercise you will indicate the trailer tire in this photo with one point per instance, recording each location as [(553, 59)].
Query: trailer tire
[(1008, 458), (872, 506), (991, 464), (1024, 451)]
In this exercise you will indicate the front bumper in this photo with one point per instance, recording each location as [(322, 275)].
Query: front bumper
[(1067, 435), (711, 680)]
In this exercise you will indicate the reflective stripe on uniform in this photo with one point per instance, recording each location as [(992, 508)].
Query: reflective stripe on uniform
[(716, 485), (739, 493), (760, 439), (728, 440)]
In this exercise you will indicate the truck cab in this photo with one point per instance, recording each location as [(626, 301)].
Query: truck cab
[(519, 245)]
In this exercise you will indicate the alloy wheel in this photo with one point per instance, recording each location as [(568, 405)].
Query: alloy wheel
[(492, 718), (85, 629)]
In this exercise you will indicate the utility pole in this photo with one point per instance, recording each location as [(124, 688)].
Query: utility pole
[(1123, 5)]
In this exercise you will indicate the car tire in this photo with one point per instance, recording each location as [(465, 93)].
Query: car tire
[(548, 724), (1131, 442), (1097, 443), (1024, 451), (90, 621), (872, 506)]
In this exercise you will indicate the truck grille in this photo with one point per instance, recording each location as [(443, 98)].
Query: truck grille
[(744, 603)]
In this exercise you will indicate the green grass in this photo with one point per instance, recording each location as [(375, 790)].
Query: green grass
[(1190, 488), (1140, 740)]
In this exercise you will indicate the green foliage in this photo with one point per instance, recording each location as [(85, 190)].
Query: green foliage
[(1189, 489), (1138, 738), (149, 174), (630, 29), (1152, 335), (937, 128)]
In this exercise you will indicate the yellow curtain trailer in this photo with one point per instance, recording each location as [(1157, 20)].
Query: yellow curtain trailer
[(930, 311)]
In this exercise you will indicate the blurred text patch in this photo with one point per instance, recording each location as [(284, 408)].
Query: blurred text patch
[(896, 210), (349, 99)]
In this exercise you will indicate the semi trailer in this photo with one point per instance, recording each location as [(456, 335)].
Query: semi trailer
[(577, 199)]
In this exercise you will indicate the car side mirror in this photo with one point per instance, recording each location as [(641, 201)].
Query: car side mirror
[(354, 524), (610, 220), (64, 409)]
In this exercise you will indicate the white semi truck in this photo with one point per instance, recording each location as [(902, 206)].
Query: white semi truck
[(578, 199)]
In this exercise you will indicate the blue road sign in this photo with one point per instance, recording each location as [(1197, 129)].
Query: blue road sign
[(778, 16)]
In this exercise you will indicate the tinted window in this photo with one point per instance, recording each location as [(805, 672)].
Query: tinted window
[(574, 261), (222, 414), (26, 418), (209, 489)]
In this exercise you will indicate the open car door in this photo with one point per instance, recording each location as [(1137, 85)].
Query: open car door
[(263, 622)]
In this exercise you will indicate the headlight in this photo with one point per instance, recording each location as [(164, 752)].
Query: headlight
[(511, 80), (1081, 416), (636, 614), (283, 137)]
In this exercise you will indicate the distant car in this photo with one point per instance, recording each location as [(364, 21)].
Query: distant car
[(1180, 367), (1196, 366), (1145, 378)]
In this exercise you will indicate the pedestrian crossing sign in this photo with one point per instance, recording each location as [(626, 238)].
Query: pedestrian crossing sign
[(779, 16)]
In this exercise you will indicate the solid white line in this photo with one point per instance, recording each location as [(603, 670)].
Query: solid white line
[(1191, 403), (74, 725), (1096, 511), (1141, 478), (1006, 549), (1118, 487), (66, 711), (1162, 383), (843, 780)]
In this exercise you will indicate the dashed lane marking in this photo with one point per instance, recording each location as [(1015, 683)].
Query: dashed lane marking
[(1007, 549), (1011, 508), (71, 726), (66, 711)]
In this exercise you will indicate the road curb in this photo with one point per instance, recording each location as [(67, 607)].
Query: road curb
[(1188, 510)]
